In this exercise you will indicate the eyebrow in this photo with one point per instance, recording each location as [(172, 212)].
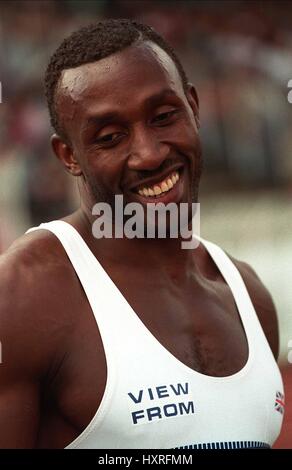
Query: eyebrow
[(101, 120)]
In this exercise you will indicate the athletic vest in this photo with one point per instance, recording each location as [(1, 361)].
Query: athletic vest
[(154, 401)]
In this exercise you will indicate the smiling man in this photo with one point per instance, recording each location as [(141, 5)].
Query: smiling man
[(131, 343)]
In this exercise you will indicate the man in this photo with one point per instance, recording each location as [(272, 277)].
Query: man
[(131, 343)]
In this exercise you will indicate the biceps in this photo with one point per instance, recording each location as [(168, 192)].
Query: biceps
[(19, 415)]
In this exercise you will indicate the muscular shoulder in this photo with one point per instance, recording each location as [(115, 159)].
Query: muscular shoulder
[(34, 291), (262, 302), (32, 268)]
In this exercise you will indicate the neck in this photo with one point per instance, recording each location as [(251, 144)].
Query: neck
[(159, 254)]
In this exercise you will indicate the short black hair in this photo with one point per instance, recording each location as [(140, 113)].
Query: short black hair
[(92, 43)]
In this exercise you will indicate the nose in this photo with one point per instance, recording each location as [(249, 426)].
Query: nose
[(146, 151)]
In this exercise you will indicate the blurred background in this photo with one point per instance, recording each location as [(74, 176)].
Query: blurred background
[(239, 56)]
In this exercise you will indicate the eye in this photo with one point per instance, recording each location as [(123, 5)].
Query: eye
[(109, 139), (165, 117)]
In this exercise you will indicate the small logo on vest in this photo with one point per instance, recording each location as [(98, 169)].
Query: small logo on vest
[(280, 402), (160, 402)]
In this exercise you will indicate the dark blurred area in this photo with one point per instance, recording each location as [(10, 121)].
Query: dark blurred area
[(238, 54)]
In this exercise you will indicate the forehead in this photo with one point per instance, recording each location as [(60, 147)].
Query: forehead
[(118, 80)]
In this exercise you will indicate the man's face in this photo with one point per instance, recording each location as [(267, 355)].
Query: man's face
[(132, 127)]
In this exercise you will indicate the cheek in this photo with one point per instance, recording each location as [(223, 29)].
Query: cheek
[(106, 167), (186, 139)]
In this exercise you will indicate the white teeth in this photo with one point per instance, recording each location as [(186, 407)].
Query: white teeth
[(157, 190), (164, 186), (160, 188), (175, 177)]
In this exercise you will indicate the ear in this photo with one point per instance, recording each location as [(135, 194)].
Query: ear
[(193, 100), (65, 154)]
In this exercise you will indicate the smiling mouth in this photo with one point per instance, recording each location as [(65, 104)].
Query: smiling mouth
[(161, 188)]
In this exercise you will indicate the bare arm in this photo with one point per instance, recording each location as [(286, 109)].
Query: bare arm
[(19, 413), (263, 304), (31, 334), (19, 385)]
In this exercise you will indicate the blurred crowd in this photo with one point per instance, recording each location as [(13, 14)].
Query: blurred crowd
[(238, 54)]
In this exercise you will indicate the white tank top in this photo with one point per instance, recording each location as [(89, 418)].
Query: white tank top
[(154, 401)]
